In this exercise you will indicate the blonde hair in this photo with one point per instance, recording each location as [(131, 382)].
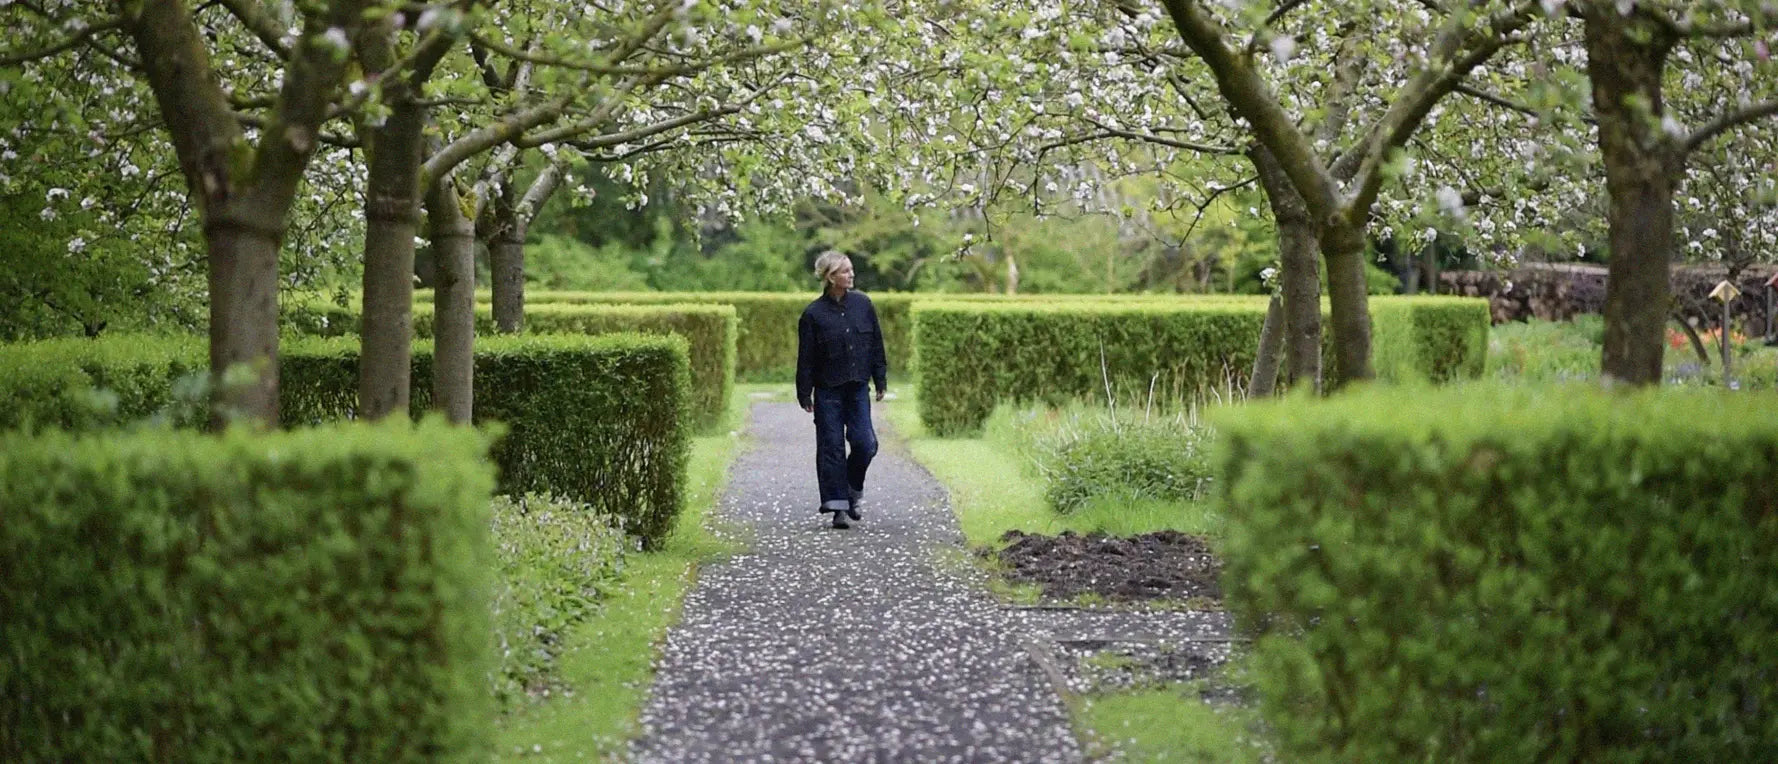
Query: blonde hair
[(827, 263)]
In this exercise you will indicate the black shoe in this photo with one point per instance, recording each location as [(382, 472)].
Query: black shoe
[(855, 506), (839, 519)]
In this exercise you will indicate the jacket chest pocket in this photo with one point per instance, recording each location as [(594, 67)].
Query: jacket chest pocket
[(833, 343), (849, 333)]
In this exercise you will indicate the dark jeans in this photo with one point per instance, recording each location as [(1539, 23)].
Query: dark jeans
[(842, 417)]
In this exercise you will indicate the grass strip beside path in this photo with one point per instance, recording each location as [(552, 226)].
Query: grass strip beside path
[(1168, 724), (609, 662)]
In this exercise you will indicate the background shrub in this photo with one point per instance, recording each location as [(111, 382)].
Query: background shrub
[(555, 557), (1083, 453), (1548, 351), (318, 595), (1509, 573)]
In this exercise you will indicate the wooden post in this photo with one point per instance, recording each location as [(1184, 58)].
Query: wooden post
[(1725, 291)]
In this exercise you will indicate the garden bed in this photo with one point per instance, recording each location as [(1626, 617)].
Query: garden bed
[(1164, 565)]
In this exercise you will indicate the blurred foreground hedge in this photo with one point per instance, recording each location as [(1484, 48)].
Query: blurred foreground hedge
[(312, 596), (1509, 574)]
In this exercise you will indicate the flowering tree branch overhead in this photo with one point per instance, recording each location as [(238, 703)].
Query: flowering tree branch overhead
[(1342, 189)]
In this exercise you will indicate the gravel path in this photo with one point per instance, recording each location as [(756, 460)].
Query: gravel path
[(870, 644)]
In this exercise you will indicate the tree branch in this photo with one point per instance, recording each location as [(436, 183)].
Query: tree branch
[(649, 148), (309, 85), (490, 76), (612, 139), (694, 67), (542, 188), (1722, 124), (1272, 18), (515, 125), (419, 62), (253, 16), (602, 115), (1211, 199), (1363, 165), (1201, 148), (1251, 99), (54, 48), (1688, 29), (1490, 98), (337, 140)]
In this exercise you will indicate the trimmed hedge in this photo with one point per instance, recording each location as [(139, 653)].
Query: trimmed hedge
[(766, 340), (711, 329), (602, 420), (975, 355), (83, 384), (766, 351), (1432, 339), (311, 596), (1511, 574)]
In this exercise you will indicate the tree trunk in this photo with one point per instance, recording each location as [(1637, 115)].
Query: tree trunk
[(1271, 343), (1429, 256), (1625, 59), (243, 318), (1298, 251), (506, 253), (391, 218), (1343, 248), (453, 304), (1691, 334), (1299, 259), (243, 191)]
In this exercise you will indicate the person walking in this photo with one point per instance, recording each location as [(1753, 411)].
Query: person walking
[(839, 350)]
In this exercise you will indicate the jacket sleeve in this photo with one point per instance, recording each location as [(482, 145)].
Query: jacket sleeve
[(879, 363), (805, 361)]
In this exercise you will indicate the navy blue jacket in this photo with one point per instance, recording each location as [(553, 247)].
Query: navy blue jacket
[(839, 341)]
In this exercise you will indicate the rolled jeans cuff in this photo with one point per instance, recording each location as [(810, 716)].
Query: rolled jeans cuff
[(835, 505)]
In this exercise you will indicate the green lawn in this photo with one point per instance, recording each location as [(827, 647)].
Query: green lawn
[(1169, 724), (609, 662)]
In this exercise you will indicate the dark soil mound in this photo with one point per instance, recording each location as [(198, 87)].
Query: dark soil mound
[(1165, 565)]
